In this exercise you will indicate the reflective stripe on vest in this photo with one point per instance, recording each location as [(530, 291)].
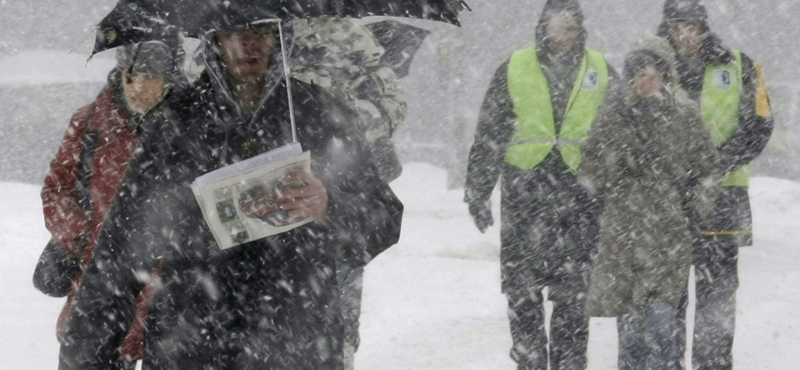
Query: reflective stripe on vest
[(535, 133), (719, 103)]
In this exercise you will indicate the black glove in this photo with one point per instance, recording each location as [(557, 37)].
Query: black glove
[(481, 212), (385, 158)]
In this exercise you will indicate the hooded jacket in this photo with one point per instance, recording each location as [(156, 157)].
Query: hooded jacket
[(115, 131), (732, 216), (548, 195), (265, 303), (655, 163)]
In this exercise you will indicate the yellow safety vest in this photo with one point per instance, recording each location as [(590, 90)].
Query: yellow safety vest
[(719, 104), (535, 133)]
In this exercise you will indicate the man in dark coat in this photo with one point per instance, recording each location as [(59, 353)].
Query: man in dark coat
[(549, 222), (264, 304), (729, 87)]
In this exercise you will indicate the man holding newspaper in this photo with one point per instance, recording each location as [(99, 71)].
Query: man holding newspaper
[(263, 302)]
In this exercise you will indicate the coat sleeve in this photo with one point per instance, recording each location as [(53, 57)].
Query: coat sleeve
[(105, 304), (382, 108), (380, 99), (492, 136), (755, 120), (706, 169), (599, 150), (364, 213), (136, 231), (63, 217)]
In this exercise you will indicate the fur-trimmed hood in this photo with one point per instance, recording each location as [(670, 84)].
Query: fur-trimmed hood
[(658, 46)]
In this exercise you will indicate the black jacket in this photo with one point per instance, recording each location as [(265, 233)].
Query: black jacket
[(732, 217), (265, 302)]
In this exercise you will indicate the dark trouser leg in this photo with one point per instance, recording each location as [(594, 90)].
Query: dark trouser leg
[(716, 279), (680, 331), (632, 348), (526, 318), (350, 287), (647, 338), (569, 325), (659, 323), (67, 363)]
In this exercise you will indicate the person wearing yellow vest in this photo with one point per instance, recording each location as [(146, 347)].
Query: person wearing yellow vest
[(729, 88), (539, 106)]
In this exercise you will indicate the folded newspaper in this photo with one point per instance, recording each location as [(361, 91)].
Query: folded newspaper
[(238, 201)]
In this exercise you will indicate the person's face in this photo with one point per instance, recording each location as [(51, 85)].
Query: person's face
[(647, 82), (687, 36), (246, 52), (142, 91), (562, 33)]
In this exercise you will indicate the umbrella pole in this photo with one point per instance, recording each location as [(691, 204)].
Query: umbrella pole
[(288, 84)]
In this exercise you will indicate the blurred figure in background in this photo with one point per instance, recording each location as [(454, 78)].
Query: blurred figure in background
[(344, 58), (729, 87)]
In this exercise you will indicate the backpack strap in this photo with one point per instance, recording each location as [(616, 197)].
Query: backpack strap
[(89, 145)]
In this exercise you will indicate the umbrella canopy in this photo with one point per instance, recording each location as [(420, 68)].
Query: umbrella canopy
[(400, 42), (129, 23), (134, 21)]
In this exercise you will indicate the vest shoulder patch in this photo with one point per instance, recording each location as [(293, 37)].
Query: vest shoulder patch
[(590, 80), (722, 79)]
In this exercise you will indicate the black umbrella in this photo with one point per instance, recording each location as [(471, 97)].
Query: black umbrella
[(132, 21), (400, 42)]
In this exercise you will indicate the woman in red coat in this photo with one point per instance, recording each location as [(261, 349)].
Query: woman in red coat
[(93, 157)]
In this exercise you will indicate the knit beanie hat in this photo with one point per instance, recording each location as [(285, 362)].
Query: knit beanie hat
[(641, 59), (684, 10), (151, 57)]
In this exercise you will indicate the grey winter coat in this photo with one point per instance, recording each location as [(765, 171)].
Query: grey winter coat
[(658, 170)]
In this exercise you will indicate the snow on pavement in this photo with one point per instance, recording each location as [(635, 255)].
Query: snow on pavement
[(433, 301)]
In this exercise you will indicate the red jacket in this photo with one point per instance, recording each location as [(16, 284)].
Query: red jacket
[(65, 219)]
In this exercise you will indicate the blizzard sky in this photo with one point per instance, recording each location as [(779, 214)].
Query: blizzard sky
[(433, 301)]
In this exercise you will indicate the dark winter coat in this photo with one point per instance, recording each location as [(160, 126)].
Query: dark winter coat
[(537, 203), (658, 169), (732, 216), (66, 199), (266, 303)]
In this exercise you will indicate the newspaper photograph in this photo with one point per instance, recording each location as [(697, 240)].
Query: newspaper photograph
[(239, 201)]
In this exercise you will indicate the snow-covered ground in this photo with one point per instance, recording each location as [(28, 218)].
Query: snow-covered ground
[(433, 301)]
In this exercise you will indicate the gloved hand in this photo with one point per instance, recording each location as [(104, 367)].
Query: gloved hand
[(481, 212)]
